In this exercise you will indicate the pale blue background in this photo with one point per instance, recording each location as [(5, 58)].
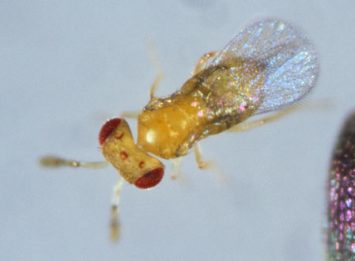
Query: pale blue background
[(65, 66)]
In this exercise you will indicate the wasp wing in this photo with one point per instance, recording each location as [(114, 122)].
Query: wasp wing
[(290, 60)]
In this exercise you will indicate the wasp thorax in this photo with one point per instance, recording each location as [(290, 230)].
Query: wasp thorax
[(165, 129), (134, 165)]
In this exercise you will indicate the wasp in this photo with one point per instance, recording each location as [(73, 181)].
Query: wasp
[(266, 67)]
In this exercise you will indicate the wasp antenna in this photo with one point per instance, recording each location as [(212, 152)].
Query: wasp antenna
[(115, 225), (57, 162)]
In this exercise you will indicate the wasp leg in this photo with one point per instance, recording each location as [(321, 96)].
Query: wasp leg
[(153, 88), (115, 225), (130, 114), (176, 168), (198, 158), (201, 64), (154, 59), (210, 165), (245, 126), (155, 84), (57, 162)]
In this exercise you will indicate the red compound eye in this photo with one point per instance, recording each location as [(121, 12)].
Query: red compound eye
[(108, 128), (150, 179)]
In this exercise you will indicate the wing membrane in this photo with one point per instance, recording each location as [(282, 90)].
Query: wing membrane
[(289, 58)]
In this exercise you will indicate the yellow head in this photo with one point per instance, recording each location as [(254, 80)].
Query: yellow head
[(134, 165)]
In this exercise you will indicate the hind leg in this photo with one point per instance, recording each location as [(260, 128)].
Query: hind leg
[(245, 126)]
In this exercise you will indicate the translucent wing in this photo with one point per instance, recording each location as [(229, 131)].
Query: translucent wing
[(289, 58)]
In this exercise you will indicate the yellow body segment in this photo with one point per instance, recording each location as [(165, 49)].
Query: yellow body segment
[(120, 150), (210, 102), (164, 130)]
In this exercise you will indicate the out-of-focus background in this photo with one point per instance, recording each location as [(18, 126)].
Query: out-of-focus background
[(66, 66)]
